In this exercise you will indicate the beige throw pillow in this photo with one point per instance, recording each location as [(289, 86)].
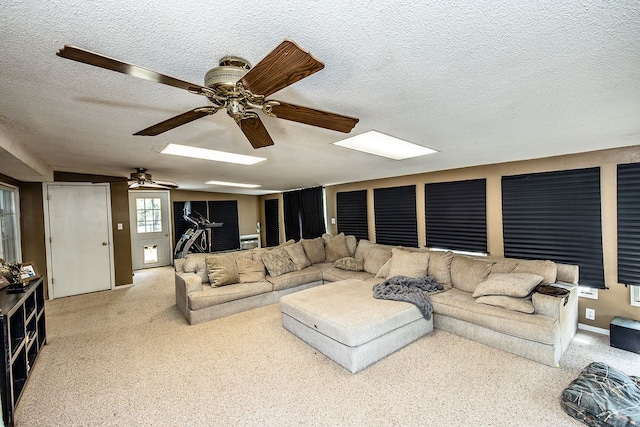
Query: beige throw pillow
[(222, 270), (440, 266), (314, 249), (350, 264), (352, 244), (362, 249), (547, 269), (336, 247), (278, 262), (408, 263), (523, 305), (509, 284), (250, 270), (376, 258), (467, 273), (297, 255), (383, 272)]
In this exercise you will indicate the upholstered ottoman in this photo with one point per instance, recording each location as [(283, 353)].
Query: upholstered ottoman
[(344, 322)]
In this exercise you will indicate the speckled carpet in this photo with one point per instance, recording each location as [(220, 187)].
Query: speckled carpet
[(127, 357)]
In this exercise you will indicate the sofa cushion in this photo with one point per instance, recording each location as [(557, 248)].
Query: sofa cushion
[(350, 263), (523, 305), (440, 266), (503, 265), (383, 272), (462, 306), (314, 249), (297, 255), (377, 256), (547, 269), (278, 262), (250, 270), (510, 284), (363, 249), (222, 270), (410, 263), (335, 247), (467, 273), (335, 274), (213, 296), (195, 263), (352, 244), (295, 278)]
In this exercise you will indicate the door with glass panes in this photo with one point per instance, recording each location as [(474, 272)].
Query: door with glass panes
[(150, 229)]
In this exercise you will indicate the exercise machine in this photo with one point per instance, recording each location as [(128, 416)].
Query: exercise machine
[(197, 236)]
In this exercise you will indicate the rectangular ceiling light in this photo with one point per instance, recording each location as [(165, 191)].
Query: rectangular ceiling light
[(206, 154), (233, 184), (379, 144)]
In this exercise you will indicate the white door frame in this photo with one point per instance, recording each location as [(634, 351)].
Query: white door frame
[(133, 226), (47, 231)]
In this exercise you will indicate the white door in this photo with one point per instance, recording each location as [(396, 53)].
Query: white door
[(150, 229), (78, 227)]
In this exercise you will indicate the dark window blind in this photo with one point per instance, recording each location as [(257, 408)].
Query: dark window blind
[(456, 215), (181, 225), (226, 237), (629, 224), (556, 216), (352, 213), (395, 216), (272, 222)]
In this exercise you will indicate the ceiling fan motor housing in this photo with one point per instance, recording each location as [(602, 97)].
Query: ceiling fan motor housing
[(223, 79)]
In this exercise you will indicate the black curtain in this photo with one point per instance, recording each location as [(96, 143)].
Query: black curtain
[(312, 212), (271, 223), (292, 215)]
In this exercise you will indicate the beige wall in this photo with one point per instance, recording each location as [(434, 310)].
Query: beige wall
[(612, 302)]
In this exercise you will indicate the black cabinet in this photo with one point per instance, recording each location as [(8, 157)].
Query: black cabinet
[(23, 335)]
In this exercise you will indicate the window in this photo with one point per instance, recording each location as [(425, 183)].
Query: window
[(149, 215), (304, 213), (9, 225), (352, 213), (456, 215), (226, 237), (556, 216), (395, 216)]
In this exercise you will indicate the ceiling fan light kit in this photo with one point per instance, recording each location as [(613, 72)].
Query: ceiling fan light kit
[(237, 87), (143, 179)]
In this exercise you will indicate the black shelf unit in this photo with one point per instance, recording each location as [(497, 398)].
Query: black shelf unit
[(23, 329)]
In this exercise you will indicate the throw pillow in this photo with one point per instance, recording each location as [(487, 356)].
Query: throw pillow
[(250, 270), (523, 305), (467, 273), (510, 284), (278, 262), (377, 256), (363, 249), (352, 244), (547, 269), (314, 249), (383, 272), (408, 263), (336, 247), (297, 255), (350, 264), (440, 266), (195, 263), (222, 270)]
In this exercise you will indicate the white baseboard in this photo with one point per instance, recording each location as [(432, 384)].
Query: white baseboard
[(593, 329)]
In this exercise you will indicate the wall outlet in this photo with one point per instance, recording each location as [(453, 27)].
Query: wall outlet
[(590, 314)]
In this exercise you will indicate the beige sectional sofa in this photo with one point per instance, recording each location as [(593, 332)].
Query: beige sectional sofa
[(486, 299)]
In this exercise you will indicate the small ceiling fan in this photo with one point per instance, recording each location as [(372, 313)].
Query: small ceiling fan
[(142, 179), (237, 87)]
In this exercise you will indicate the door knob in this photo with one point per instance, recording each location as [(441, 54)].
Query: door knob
[(105, 243)]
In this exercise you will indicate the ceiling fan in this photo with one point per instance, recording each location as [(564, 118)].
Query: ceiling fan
[(237, 87), (142, 179)]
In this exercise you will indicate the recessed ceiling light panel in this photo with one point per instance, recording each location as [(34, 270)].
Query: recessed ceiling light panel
[(214, 155), (379, 144), (233, 184)]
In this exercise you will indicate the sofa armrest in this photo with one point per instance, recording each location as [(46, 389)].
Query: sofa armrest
[(186, 283), (553, 306)]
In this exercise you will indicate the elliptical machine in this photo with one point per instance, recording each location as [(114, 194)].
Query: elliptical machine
[(194, 239)]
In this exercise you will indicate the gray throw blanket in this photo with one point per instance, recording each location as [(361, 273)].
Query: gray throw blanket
[(409, 289)]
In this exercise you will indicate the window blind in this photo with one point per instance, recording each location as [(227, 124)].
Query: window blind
[(556, 216), (181, 225), (395, 216), (456, 215), (629, 224), (272, 222), (226, 237), (352, 213)]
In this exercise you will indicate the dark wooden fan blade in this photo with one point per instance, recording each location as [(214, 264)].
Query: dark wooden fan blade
[(256, 133), (176, 121), (313, 117), (285, 65), (87, 57)]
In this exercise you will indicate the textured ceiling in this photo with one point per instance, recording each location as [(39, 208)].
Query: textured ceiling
[(481, 82)]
